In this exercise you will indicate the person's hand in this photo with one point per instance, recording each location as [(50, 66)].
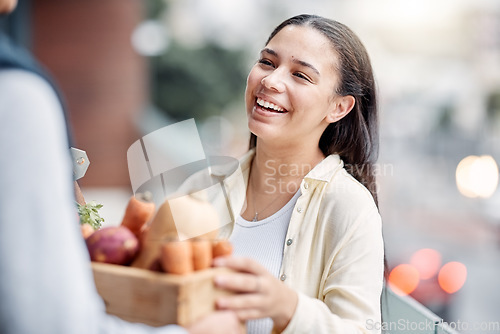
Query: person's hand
[(259, 294), (220, 322)]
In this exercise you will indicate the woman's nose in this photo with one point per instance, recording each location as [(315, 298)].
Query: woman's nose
[(274, 81)]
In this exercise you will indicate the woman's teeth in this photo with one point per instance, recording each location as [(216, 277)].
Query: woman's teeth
[(269, 105)]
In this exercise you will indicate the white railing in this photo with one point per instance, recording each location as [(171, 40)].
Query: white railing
[(404, 315)]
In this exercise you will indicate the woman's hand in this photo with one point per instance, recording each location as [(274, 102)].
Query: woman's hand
[(221, 322), (260, 294)]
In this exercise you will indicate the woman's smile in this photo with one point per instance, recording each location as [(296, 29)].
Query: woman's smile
[(269, 106), (264, 107)]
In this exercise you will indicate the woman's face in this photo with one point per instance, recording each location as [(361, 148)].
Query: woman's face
[(290, 90)]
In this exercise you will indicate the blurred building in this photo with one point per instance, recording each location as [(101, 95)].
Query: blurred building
[(86, 46)]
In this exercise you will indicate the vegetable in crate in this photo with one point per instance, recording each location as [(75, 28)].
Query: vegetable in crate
[(202, 253), (222, 248), (192, 217), (89, 214), (140, 209), (177, 257), (86, 230), (90, 220), (114, 244)]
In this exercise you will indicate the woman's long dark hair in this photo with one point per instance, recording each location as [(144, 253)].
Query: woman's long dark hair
[(355, 137)]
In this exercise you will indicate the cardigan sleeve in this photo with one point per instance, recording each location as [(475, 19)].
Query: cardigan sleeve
[(352, 288)]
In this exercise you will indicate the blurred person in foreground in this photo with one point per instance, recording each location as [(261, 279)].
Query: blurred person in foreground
[(308, 242), (46, 283)]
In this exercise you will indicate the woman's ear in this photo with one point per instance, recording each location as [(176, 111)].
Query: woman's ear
[(342, 105)]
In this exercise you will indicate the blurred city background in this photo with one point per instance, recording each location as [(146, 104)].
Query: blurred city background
[(129, 67)]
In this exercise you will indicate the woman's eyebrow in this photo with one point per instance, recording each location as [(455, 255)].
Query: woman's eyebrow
[(306, 64), (270, 51), (300, 62)]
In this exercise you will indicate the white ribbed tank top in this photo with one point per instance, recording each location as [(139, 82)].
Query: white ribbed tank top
[(263, 241)]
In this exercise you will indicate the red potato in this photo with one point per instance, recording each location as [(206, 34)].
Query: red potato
[(115, 245), (139, 211)]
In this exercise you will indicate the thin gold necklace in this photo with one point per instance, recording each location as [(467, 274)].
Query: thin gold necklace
[(256, 217)]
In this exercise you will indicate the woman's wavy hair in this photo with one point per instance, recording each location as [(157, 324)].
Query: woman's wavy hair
[(355, 137)]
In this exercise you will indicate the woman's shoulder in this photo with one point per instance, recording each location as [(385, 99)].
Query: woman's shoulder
[(346, 188), (340, 185), (344, 196)]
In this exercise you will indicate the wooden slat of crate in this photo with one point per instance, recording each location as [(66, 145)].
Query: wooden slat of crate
[(153, 298)]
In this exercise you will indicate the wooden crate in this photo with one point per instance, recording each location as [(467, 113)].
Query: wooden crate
[(156, 299)]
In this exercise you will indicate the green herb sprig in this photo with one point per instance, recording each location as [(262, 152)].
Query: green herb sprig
[(89, 214)]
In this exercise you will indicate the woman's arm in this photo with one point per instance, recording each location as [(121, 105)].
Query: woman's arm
[(351, 291), (353, 285)]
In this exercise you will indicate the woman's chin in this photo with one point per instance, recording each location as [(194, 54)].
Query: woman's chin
[(262, 130)]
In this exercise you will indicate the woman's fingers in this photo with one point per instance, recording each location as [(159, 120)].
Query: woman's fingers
[(247, 306), (240, 282), (242, 264), (221, 322), (258, 294)]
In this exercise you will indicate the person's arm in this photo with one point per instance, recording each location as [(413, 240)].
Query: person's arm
[(46, 282)]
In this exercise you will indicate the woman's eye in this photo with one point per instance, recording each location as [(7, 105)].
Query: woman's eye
[(266, 62), (302, 76)]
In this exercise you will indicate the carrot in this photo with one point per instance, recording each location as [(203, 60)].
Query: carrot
[(222, 248), (78, 194), (177, 257), (202, 253), (138, 212), (86, 230)]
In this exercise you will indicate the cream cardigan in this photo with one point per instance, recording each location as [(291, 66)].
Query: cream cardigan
[(333, 253)]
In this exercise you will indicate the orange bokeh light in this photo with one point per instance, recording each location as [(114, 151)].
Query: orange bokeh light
[(452, 276), (404, 279), (427, 261)]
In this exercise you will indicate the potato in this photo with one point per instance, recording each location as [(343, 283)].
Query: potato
[(116, 245)]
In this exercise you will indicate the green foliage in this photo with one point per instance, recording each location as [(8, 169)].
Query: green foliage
[(89, 214), (154, 8), (197, 83)]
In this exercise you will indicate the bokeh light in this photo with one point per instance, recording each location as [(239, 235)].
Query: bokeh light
[(404, 279), (452, 276), (150, 38), (427, 261), (477, 176)]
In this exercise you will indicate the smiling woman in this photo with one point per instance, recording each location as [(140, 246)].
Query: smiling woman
[(308, 239)]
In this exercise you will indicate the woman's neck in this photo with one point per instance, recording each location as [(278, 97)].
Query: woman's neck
[(282, 168)]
